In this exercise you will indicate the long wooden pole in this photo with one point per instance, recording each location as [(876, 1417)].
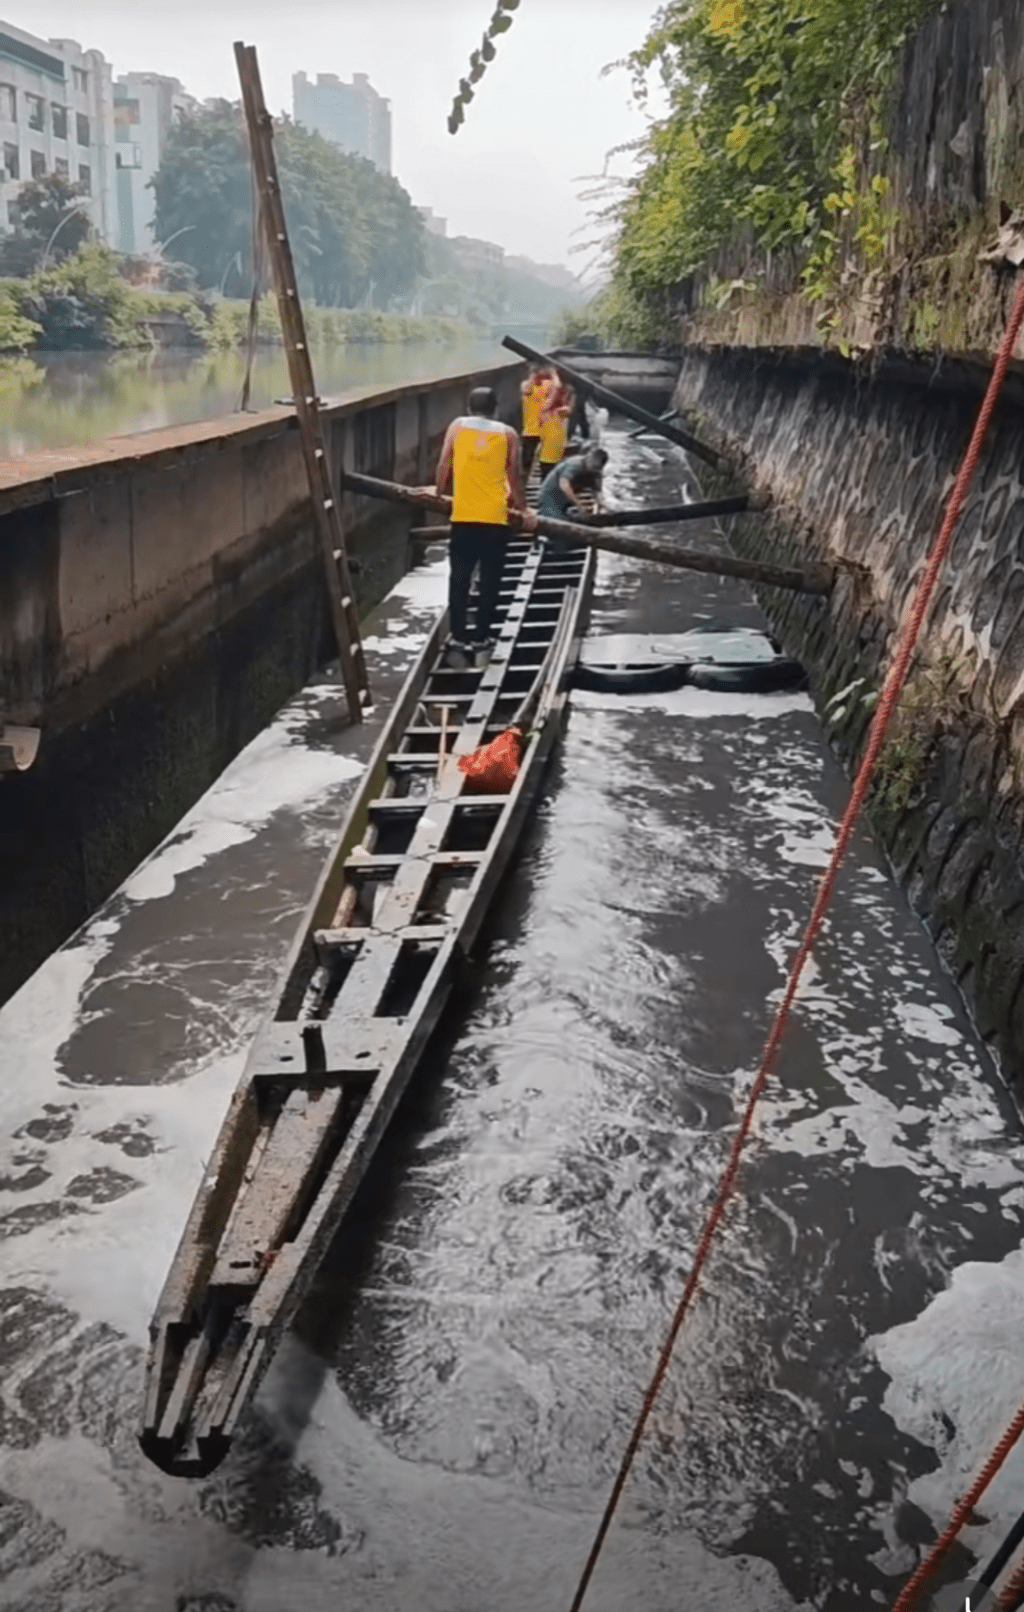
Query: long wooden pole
[(326, 514), (798, 579), (612, 400)]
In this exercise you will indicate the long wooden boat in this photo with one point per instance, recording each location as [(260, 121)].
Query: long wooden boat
[(399, 903)]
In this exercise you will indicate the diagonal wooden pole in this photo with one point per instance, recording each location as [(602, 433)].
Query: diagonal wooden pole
[(326, 514)]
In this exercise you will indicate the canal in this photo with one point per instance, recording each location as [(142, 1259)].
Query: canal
[(442, 1426), (60, 400)]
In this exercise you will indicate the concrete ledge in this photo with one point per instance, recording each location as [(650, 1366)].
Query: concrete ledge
[(117, 556)]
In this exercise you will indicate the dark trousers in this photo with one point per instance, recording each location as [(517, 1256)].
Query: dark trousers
[(529, 449), (473, 544)]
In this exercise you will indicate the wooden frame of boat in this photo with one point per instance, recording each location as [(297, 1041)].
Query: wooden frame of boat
[(399, 903)]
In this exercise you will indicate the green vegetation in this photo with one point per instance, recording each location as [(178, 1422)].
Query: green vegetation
[(774, 133), (48, 224), (85, 302), (355, 234)]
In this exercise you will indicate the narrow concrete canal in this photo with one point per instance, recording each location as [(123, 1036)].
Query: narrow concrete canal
[(441, 1429)]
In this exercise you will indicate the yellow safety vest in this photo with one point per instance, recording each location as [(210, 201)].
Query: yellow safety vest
[(480, 456), (533, 402), (552, 438)]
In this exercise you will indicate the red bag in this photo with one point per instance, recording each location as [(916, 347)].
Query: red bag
[(492, 770)]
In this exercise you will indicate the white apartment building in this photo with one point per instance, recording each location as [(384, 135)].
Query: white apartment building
[(146, 106), (57, 116)]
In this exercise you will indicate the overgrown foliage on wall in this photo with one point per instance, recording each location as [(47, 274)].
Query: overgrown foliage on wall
[(774, 126)]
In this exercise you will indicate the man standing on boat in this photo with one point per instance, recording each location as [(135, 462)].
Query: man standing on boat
[(534, 390), (558, 405), (480, 458)]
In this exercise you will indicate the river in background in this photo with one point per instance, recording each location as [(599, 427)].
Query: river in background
[(60, 400)]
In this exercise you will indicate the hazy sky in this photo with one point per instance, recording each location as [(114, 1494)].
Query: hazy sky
[(542, 119)]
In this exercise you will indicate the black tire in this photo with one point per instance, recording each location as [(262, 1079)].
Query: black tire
[(750, 677), (638, 680), (753, 677)]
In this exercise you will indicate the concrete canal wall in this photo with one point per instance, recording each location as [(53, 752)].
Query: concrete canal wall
[(860, 459), (161, 596)]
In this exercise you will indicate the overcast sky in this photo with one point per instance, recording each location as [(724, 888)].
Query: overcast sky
[(542, 119)]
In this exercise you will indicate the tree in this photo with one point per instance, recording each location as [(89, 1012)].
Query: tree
[(46, 212), (352, 228)]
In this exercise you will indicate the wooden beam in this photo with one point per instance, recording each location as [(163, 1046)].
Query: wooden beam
[(612, 400), (326, 514), (798, 579)]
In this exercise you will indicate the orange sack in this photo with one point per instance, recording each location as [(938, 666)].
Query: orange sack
[(492, 769)]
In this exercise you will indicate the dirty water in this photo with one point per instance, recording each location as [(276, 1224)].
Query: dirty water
[(441, 1428)]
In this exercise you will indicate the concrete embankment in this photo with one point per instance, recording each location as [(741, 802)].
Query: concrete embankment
[(161, 596), (860, 461)]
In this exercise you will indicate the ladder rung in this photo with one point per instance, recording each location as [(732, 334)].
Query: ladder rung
[(336, 939)]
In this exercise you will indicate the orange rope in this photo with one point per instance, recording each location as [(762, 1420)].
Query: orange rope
[(1013, 1590), (883, 716)]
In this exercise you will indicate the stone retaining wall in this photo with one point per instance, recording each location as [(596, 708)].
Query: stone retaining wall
[(860, 461)]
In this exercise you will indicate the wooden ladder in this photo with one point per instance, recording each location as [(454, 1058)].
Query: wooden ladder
[(326, 513)]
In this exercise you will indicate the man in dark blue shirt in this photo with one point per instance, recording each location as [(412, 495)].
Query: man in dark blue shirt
[(559, 492)]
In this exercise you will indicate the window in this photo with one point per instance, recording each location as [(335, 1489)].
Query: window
[(85, 178), (60, 166), (35, 111), (38, 165), (83, 128), (60, 122), (12, 167), (129, 156), (80, 79), (8, 103)]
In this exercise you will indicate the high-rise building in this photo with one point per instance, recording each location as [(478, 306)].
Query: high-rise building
[(431, 222), (57, 117), (146, 105), (352, 117)]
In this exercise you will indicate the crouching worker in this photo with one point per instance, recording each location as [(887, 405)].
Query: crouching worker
[(480, 460), (560, 493)]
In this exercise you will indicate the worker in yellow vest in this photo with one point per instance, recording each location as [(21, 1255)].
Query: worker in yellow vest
[(480, 458), (554, 423), (534, 390)]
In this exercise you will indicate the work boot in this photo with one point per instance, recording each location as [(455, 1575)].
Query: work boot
[(483, 649), (458, 656)]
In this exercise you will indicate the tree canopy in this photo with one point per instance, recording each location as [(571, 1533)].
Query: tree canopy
[(354, 232), (41, 208)]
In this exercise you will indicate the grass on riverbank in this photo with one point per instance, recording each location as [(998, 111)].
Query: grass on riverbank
[(84, 302)]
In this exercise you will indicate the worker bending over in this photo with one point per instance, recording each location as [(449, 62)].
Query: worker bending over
[(480, 458), (561, 488), (534, 390), (554, 418)]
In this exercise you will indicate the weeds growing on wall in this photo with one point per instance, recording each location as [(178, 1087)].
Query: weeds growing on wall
[(774, 125)]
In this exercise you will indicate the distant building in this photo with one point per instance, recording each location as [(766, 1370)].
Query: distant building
[(352, 117), (57, 116), (431, 222), (476, 254), (146, 106)]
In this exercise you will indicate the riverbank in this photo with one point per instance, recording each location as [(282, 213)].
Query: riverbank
[(85, 302)]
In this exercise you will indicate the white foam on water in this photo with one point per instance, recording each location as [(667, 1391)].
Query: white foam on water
[(697, 703), (959, 1365)]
